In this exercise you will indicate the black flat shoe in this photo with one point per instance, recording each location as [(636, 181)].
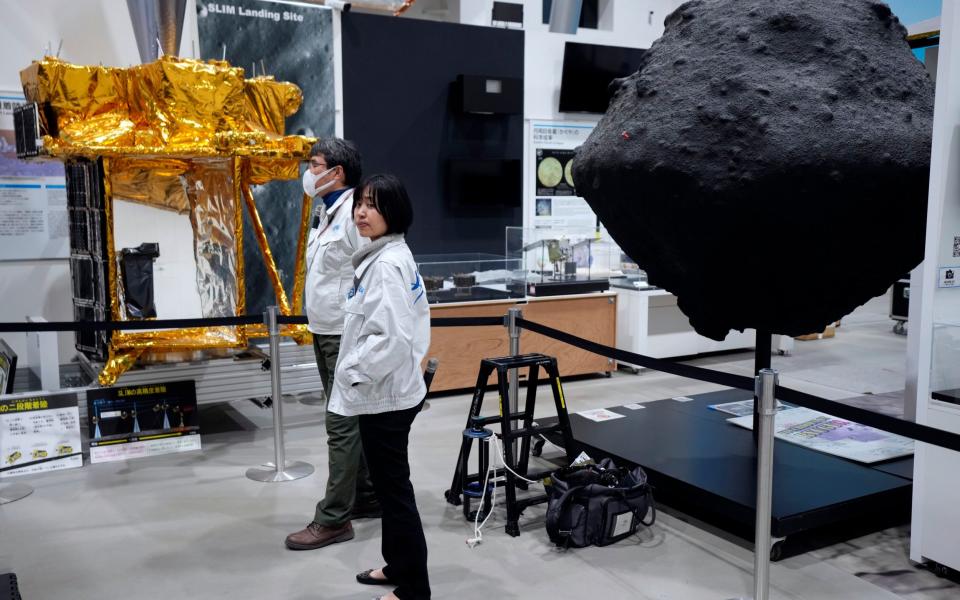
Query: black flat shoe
[(365, 579)]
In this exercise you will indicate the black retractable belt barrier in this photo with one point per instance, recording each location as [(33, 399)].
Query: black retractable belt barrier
[(211, 322), (915, 431), (708, 375), (131, 325), (908, 429)]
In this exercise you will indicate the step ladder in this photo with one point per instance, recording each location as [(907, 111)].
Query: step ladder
[(467, 486)]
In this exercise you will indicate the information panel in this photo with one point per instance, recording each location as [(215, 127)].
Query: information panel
[(833, 435), (33, 198), (556, 204), (142, 420), (45, 427)]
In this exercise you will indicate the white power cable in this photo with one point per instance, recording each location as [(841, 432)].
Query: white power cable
[(477, 526)]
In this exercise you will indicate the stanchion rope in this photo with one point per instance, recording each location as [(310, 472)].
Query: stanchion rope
[(908, 429), (915, 431), (210, 322)]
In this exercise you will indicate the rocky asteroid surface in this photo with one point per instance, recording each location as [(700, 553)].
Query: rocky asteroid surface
[(769, 161)]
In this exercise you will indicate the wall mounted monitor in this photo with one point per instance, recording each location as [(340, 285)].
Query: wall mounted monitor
[(587, 71), (483, 182)]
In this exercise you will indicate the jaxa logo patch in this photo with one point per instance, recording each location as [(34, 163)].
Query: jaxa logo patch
[(354, 291)]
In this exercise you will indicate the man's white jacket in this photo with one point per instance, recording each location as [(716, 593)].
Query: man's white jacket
[(329, 271), (386, 334)]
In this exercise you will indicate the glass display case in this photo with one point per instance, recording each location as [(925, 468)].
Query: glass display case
[(472, 276), (944, 358), (561, 260), (633, 278)]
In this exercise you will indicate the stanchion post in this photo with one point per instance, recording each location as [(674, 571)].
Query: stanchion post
[(766, 387), (513, 375), (280, 469)]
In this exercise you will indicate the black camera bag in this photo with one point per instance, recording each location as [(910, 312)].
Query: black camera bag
[(597, 504)]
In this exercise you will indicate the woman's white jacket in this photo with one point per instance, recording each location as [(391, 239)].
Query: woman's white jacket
[(386, 333)]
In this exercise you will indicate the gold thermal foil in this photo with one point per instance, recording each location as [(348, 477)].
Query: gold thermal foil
[(89, 103), (269, 102), (264, 170), (170, 107), (180, 339), (300, 277), (238, 171), (155, 182), (117, 364), (189, 136), (186, 101), (213, 216)]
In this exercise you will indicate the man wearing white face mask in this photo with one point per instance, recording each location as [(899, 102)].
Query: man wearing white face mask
[(334, 170)]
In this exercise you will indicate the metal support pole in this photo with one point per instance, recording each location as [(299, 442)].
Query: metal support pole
[(280, 469), (14, 492), (513, 375), (766, 386)]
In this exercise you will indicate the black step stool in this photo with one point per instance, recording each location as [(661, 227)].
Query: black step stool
[(465, 485)]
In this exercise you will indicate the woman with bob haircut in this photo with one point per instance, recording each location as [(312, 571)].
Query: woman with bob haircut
[(386, 333)]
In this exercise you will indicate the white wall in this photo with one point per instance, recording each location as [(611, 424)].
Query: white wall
[(93, 32)]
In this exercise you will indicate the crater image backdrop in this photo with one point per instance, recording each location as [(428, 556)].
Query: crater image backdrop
[(292, 43)]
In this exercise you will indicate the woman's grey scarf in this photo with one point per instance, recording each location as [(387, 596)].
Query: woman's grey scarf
[(372, 248)]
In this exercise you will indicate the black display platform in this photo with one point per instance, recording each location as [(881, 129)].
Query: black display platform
[(472, 294), (562, 287), (702, 465)]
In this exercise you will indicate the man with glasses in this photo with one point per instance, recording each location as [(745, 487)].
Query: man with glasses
[(333, 172)]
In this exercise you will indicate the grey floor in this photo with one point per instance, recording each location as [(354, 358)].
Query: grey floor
[(193, 526)]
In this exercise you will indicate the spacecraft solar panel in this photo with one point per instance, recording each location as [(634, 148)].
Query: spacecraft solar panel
[(26, 125)]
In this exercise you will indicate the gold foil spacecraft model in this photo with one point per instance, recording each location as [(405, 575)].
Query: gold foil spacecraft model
[(182, 136)]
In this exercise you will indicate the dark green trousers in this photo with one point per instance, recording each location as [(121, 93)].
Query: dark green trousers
[(348, 480)]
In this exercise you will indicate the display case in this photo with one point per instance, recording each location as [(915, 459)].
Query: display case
[(944, 358), (560, 260), (469, 277)]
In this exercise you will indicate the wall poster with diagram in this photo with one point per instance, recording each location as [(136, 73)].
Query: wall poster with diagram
[(142, 420), (555, 201), (33, 197), (40, 432)]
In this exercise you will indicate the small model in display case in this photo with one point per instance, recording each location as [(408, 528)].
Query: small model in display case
[(468, 277), (563, 260)]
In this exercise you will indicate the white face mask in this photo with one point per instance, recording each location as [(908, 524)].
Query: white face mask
[(310, 182)]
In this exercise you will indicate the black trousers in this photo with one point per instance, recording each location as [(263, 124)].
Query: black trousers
[(385, 437)]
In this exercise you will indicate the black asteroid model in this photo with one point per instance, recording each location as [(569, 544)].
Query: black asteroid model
[(768, 163)]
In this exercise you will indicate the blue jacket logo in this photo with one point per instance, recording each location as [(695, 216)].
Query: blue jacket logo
[(416, 285)]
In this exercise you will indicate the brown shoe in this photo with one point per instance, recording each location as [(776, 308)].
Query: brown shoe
[(317, 536)]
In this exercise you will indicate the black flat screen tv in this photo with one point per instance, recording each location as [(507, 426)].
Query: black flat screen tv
[(587, 71), (484, 183)]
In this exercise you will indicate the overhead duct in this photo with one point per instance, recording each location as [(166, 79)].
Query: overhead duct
[(157, 21), (565, 16)]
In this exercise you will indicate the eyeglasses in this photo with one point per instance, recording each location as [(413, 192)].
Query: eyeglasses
[(317, 164)]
